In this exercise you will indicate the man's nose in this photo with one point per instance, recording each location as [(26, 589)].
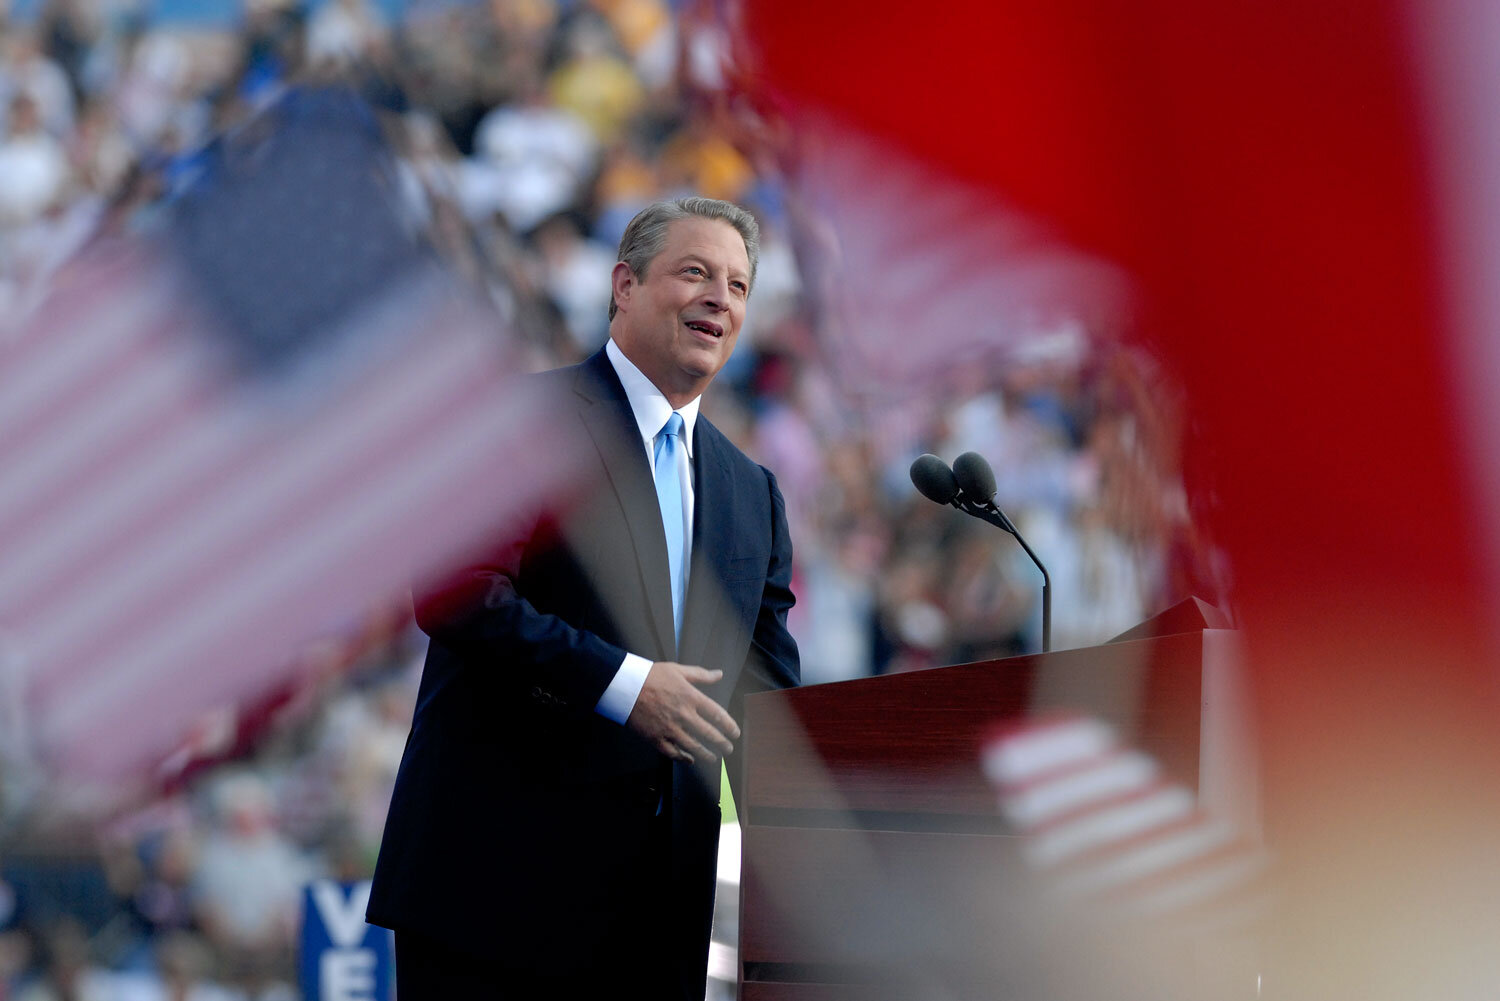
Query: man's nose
[(716, 294)]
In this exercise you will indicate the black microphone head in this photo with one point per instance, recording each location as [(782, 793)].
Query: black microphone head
[(933, 479), (975, 477)]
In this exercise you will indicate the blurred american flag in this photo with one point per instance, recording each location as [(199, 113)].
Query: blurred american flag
[(1111, 832), (233, 439)]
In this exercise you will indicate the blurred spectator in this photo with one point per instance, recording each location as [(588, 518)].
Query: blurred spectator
[(69, 972), (164, 897), (835, 631), (648, 35), (15, 959), (628, 182), (531, 161), (183, 967), (154, 87), (363, 736), (576, 274), (698, 158), (343, 32), (983, 590), (34, 170), (26, 71), (248, 882), (594, 83), (912, 625), (275, 49), (101, 154), (778, 297)]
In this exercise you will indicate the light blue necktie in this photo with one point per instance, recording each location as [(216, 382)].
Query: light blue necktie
[(669, 496)]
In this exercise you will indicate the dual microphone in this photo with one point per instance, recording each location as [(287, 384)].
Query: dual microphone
[(970, 486)]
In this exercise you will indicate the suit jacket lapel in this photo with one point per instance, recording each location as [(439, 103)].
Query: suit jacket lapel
[(611, 424), (712, 487)]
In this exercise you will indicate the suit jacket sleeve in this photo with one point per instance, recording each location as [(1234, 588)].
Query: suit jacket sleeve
[(772, 662), (481, 615)]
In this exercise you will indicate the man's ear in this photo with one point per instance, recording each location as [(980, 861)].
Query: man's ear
[(622, 283)]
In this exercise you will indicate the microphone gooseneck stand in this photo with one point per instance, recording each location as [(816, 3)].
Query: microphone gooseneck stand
[(992, 514), (969, 485)]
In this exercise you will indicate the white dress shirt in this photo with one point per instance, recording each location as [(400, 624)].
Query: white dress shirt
[(651, 411)]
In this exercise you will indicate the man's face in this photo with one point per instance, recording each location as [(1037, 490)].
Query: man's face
[(678, 323)]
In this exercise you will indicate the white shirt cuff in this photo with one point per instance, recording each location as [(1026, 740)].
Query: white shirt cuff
[(619, 698)]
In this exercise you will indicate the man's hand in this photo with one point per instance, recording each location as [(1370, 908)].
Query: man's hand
[(680, 720)]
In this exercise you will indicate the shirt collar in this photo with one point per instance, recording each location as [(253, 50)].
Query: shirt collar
[(647, 403)]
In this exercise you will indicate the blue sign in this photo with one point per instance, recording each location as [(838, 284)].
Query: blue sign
[(342, 958)]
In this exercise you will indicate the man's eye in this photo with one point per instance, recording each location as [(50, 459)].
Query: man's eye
[(741, 288), (694, 270)]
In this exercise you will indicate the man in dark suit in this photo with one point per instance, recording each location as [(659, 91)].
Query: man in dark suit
[(554, 828)]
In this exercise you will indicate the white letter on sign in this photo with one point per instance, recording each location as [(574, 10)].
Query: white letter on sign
[(344, 919), (347, 975)]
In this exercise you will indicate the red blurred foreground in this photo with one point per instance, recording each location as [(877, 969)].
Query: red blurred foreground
[(1264, 174)]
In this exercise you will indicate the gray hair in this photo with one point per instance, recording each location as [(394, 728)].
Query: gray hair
[(647, 232)]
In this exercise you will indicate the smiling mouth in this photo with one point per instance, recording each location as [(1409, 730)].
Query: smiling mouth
[(706, 327)]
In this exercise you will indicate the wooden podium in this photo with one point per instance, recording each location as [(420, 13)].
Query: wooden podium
[(875, 858)]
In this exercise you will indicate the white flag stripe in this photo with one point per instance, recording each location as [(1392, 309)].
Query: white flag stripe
[(1032, 753), (274, 580), (1110, 824), (1148, 858), (161, 506), (177, 554), (1114, 776), (36, 373), (1188, 890)]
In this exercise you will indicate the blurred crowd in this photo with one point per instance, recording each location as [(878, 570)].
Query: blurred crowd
[(528, 132)]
